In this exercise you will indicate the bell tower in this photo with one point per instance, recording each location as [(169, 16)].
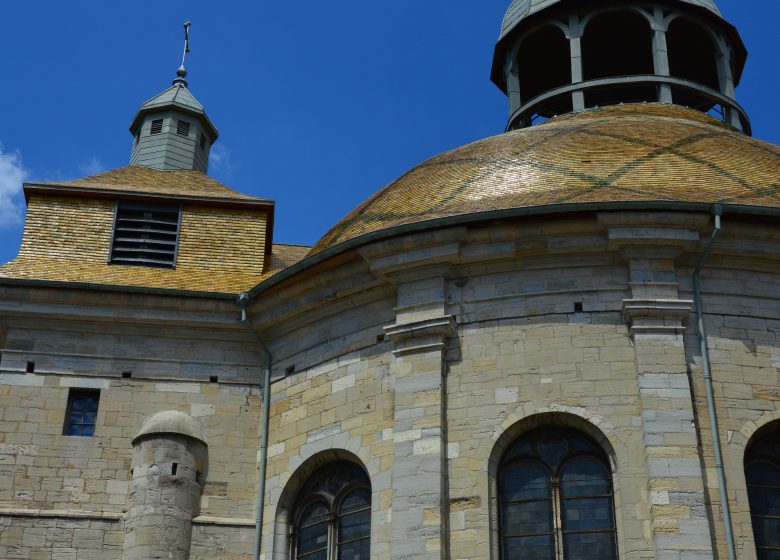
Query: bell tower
[(171, 131), (560, 56)]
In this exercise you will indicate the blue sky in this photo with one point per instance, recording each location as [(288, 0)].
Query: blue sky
[(319, 103)]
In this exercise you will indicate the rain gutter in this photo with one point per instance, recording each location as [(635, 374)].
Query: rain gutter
[(705, 358), (27, 282), (243, 301)]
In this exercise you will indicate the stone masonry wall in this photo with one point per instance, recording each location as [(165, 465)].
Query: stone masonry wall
[(422, 359)]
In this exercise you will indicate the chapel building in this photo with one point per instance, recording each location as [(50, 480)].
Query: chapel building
[(558, 343)]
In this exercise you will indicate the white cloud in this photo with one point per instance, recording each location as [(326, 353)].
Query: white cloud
[(91, 166), (221, 161), (12, 175)]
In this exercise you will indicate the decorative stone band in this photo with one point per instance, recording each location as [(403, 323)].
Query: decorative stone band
[(420, 336), (656, 316)]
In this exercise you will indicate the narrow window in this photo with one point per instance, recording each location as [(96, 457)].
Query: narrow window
[(156, 126), (81, 413), (762, 473), (202, 141), (145, 234), (555, 499), (183, 128), (333, 515)]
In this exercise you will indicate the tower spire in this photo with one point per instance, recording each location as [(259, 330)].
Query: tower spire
[(172, 130), (181, 73)]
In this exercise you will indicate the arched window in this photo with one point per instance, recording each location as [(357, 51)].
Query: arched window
[(617, 44), (555, 499), (692, 56), (333, 515), (762, 472), (544, 63)]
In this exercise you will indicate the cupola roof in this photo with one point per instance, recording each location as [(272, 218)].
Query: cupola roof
[(177, 98)]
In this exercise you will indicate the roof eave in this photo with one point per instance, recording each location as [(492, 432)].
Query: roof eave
[(200, 115), (50, 189)]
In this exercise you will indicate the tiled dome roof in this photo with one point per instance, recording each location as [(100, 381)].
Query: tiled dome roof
[(625, 154)]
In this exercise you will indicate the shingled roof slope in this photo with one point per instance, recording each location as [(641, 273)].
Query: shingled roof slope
[(635, 154), (139, 179)]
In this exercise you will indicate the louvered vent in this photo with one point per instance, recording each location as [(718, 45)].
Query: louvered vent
[(145, 234), (183, 128), (156, 126)]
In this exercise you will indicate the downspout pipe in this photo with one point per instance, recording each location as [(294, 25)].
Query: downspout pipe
[(705, 358), (243, 301)]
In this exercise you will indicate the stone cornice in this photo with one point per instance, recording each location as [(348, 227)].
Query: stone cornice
[(421, 336)]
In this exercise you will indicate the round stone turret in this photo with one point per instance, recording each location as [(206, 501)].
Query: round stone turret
[(169, 464), (560, 56)]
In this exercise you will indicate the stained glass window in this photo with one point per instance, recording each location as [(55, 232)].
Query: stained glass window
[(333, 519), (762, 472), (555, 499)]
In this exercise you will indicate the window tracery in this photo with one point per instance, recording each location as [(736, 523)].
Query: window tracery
[(333, 515), (555, 499)]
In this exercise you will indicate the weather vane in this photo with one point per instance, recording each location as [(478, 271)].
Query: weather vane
[(182, 71)]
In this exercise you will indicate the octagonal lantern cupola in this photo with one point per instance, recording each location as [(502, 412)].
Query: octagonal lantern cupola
[(560, 56), (171, 131)]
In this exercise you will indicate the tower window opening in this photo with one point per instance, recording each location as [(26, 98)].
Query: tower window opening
[(617, 44), (182, 128), (202, 141), (81, 414), (156, 127), (692, 57), (544, 63), (691, 53)]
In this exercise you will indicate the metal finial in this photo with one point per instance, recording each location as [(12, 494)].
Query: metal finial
[(182, 71)]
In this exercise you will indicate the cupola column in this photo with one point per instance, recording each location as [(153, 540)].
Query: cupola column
[(513, 82), (575, 46), (726, 80), (661, 54)]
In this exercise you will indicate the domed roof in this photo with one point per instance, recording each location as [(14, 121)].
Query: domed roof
[(521, 9), (612, 157), (171, 422)]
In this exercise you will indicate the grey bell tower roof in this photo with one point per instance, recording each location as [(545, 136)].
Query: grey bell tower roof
[(175, 98), (521, 9)]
